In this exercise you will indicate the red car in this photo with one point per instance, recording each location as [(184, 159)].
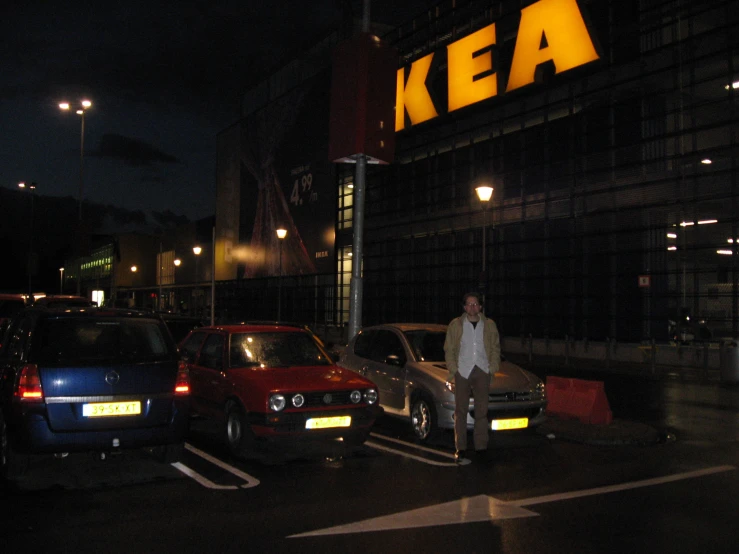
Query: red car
[(274, 384)]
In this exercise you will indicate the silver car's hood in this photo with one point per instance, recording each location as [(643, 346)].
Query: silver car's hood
[(512, 377), (509, 377), (437, 370)]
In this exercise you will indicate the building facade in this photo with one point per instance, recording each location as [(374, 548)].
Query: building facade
[(608, 131)]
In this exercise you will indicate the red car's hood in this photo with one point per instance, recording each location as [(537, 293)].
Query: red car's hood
[(301, 379)]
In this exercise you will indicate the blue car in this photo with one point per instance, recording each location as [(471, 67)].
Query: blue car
[(90, 379)]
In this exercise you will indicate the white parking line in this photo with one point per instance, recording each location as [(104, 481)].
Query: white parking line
[(622, 487), (249, 480), (200, 479), (377, 446)]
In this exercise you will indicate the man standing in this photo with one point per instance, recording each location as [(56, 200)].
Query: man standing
[(472, 353)]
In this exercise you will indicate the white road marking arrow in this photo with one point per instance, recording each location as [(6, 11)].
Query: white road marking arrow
[(466, 510), (487, 508)]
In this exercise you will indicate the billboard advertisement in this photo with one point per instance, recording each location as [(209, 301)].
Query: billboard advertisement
[(228, 185), (288, 183)]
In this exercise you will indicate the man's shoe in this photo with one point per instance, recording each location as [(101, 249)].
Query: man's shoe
[(458, 456)]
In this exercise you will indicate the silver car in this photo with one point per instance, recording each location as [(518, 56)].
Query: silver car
[(406, 363)]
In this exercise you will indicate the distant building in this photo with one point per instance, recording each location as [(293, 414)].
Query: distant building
[(159, 272)]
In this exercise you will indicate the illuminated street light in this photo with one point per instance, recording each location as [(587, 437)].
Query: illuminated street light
[(134, 269), (31, 187), (281, 234), (484, 193), (61, 280), (84, 106), (197, 250), (177, 262)]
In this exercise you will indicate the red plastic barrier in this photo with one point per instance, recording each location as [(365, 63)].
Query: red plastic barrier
[(578, 399)]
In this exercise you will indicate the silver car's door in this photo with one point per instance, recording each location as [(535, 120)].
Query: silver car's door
[(386, 368)]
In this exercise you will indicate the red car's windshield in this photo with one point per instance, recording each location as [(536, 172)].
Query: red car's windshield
[(275, 350)]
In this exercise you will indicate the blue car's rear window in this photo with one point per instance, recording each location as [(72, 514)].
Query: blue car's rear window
[(81, 340)]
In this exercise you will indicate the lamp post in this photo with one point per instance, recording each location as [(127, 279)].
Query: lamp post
[(84, 106), (281, 234), (197, 250), (134, 282), (195, 304), (484, 193), (31, 188), (173, 306), (61, 280)]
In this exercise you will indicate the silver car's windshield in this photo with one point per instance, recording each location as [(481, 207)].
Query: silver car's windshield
[(428, 346)]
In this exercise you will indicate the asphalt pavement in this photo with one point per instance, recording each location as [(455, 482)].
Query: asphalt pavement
[(629, 384), (617, 432)]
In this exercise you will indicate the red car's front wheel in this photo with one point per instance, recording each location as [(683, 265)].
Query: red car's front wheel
[(238, 433)]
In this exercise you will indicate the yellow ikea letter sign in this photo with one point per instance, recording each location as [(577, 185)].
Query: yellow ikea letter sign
[(464, 65), (414, 97), (568, 41), (558, 22)]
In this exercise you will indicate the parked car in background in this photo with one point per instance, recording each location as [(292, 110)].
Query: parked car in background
[(274, 385), (61, 301), (10, 305), (90, 379), (406, 363), (180, 325)]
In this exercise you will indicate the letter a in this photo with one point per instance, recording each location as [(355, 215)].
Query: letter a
[(568, 42)]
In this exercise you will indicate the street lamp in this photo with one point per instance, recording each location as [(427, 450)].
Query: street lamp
[(84, 106), (32, 188), (484, 193), (61, 280), (197, 250), (281, 234)]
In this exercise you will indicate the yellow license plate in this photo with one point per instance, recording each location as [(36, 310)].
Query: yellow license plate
[(505, 424), (328, 422), (110, 409)]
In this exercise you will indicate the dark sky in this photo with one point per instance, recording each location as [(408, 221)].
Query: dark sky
[(164, 79)]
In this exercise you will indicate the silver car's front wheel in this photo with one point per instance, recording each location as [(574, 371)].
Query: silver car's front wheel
[(423, 418)]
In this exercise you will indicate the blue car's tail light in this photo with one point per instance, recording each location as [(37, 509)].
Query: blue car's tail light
[(182, 384), (28, 384)]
